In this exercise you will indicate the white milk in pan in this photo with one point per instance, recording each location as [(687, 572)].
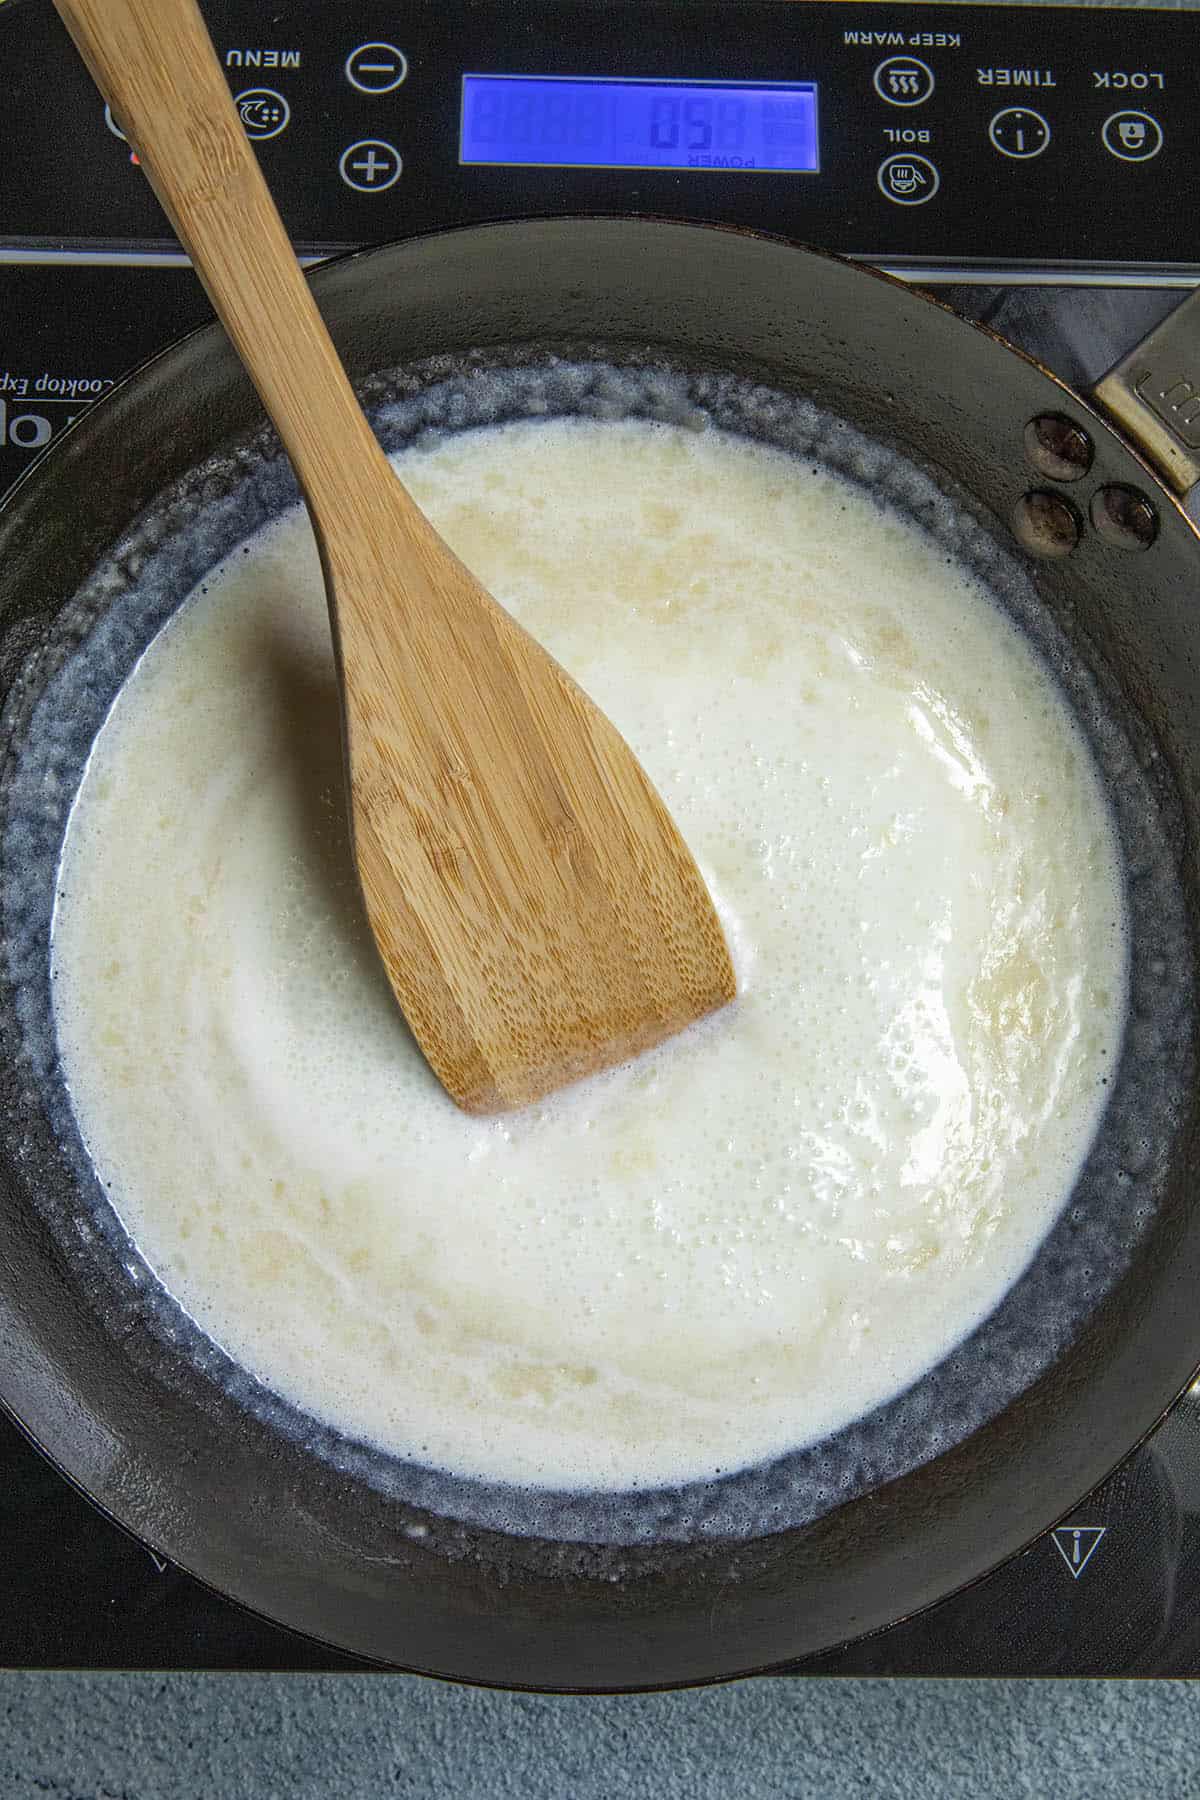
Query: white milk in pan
[(751, 1236)]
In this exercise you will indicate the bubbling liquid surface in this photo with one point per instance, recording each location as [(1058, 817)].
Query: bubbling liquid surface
[(749, 1237)]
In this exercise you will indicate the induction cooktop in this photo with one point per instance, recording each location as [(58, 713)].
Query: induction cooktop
[(1039, 168)]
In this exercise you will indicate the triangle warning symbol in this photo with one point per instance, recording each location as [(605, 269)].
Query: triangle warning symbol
[(1077, 1544)]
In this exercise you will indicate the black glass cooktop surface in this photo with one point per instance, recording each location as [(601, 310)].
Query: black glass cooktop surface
[(1113, 1591)]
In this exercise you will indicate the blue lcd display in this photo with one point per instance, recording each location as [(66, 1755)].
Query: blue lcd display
[(567, 122)]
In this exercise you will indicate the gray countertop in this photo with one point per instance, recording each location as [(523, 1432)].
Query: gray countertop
[(266, 1737)]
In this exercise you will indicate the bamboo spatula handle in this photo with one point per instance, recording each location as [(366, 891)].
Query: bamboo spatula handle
[(536, 909), (154, 62)]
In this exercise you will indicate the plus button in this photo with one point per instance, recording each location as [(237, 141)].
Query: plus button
[(370, 165)]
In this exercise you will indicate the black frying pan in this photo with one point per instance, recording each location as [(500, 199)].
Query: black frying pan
[(1083, 1356)]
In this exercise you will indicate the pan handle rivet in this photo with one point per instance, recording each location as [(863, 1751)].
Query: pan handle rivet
[(1058, 448), (1046, 524), (1124, 518)]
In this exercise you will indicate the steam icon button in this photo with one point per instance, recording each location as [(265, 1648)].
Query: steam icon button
[(908, 180), (904, 81), (1133, 136)]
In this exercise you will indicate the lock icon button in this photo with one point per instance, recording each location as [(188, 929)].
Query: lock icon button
[(1132, 136)]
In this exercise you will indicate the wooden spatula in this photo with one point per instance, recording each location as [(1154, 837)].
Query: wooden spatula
[(538, 914)]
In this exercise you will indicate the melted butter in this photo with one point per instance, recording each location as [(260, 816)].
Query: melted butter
[(745, 1239)]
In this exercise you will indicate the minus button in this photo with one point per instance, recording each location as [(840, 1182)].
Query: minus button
[(376, 68)]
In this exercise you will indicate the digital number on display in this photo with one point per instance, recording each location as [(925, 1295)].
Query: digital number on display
[(545, 122)]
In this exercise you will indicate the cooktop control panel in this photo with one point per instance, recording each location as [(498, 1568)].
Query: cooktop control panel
[(967, 141)]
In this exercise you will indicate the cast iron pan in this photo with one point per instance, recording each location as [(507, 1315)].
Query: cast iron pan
[(414, 1568)]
